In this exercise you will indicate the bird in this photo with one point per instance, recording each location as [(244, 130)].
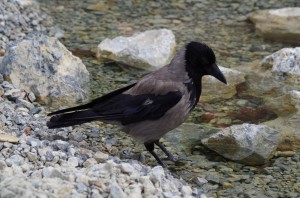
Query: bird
[(156, 104)]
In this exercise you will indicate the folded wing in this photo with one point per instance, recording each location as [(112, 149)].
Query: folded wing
[(122, 108)]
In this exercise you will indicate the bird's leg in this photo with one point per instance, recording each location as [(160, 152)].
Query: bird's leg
[(164, 149), (150, 148)]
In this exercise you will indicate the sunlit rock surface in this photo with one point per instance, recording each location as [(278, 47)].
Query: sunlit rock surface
[(274, 77), (247, 143), (44, 66), (280, 24), (213, 89), (149, 50)]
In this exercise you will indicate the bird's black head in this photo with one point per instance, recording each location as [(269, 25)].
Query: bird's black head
[(201, 60)]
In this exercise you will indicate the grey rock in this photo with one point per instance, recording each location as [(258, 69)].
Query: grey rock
[(33, 142), (150, 50), (247, 143), (89, 162), (49, 156), (100, 157), (17, 159), (127, 168), (81, 187), (6, 193), (32, 156), (182, 142), (73, 162), (2, 164), (24, 103), (63, 81), (62, 145), (1, 77), (116, 191), (96, 194), (53, 173), (31, 97)]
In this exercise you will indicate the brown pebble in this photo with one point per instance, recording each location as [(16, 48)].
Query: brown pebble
[(227, 185), (27, 131)]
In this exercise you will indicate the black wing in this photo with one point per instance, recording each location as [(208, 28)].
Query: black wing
[(93, 102), (128, 109), (123, 108)]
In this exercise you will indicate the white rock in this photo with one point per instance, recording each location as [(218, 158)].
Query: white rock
[(101, 157), (127, 168), (33, 64), (116, 191), (136, 191), (149, 188), (186, 191), (73, 162), (149, 50), (295, 99), (157, 173), (280, 24), (247, 143), (286, 60), (89, 162), (24, 3)]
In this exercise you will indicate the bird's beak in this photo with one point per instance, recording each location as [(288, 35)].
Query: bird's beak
[(216, 72)]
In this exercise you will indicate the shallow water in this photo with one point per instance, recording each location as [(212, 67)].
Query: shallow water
[(223, 25)]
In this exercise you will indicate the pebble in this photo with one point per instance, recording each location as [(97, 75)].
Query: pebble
[(89, 162), (100, 157), (116, 191)]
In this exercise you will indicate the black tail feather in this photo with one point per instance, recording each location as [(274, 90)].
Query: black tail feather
[(71, 119)]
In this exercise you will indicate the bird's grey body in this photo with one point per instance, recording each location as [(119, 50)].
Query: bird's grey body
[(172, 77), (156, 104)]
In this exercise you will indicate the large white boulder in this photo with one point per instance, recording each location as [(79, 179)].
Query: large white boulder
[(44, 66), (149, 50), (279, 24)]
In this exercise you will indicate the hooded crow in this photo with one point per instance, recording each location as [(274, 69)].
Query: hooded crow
[(156, 104)]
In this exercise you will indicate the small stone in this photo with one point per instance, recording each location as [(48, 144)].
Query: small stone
[(116, 191), (200, 181), (157, 173), (100, 157), (6, 193), (53, 173), (186, 191), (285, 153), (31, 97), (89, 162), (2, 165), (49, 156), (32, 157), (62, 145), (24, 103), (127, 168), (81, 187), (73, 161), (17, 159), (227, 185)]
